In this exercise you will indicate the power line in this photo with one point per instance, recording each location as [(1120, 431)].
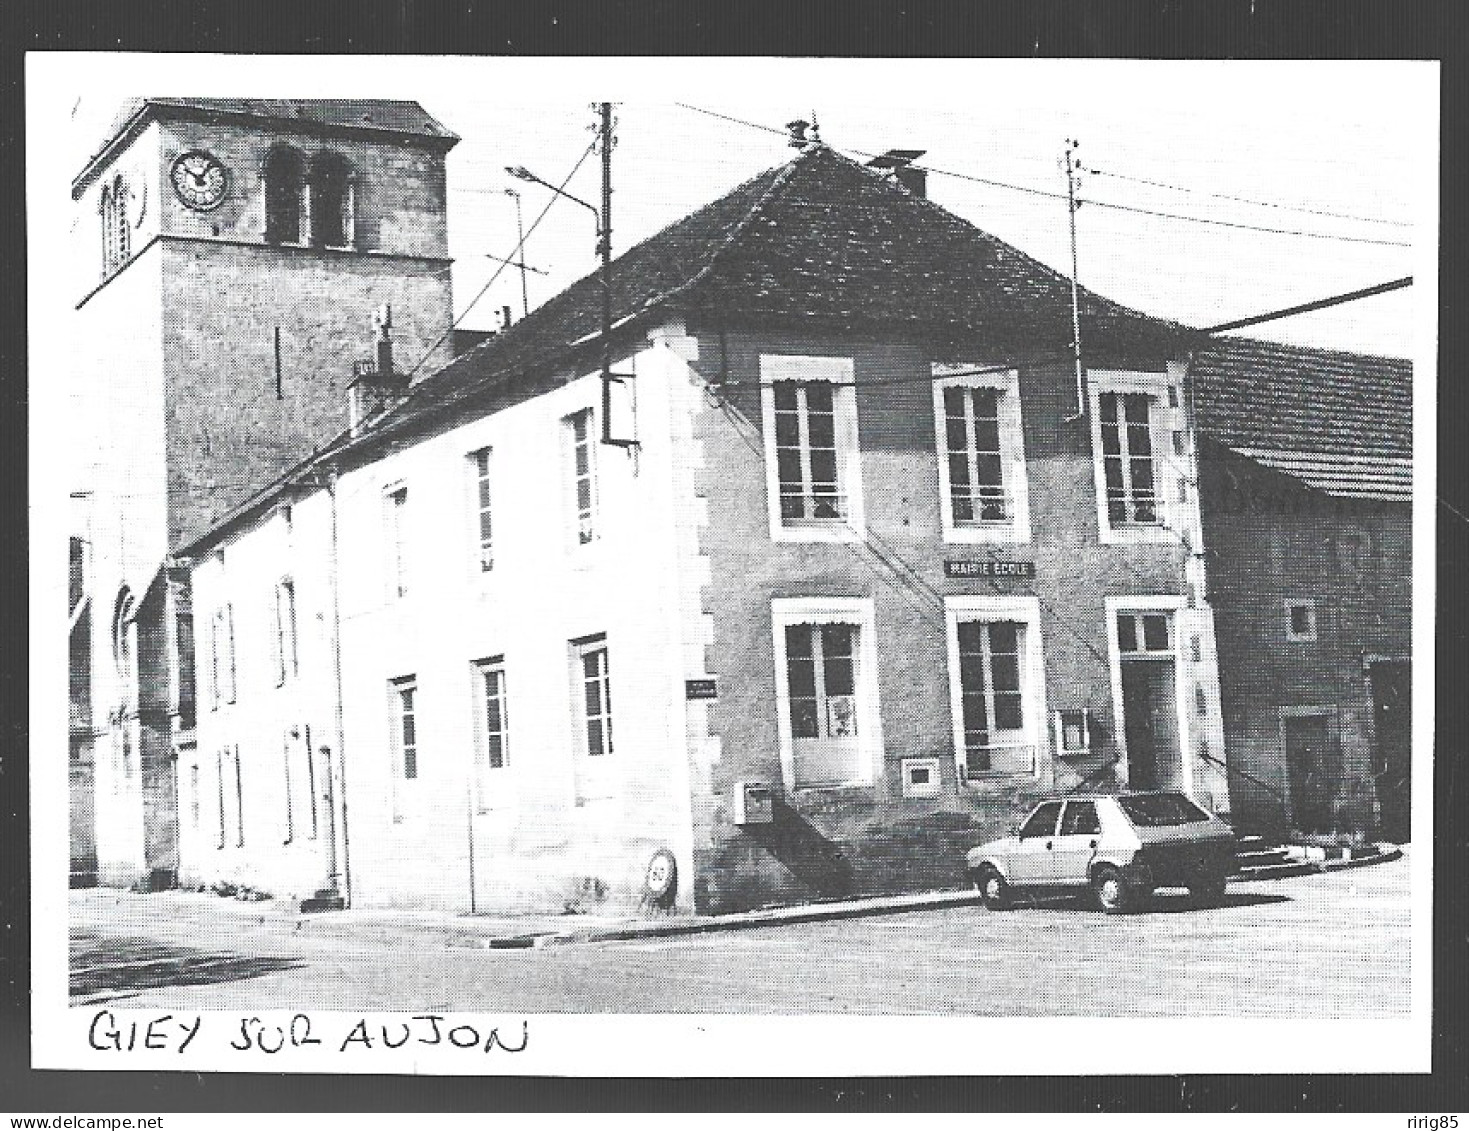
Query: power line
[(501, 269), (1251, 200), (1095, 203)]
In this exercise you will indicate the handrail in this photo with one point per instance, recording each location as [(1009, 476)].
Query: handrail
[(1270, 789)]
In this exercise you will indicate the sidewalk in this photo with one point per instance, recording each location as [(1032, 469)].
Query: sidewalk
[(196, 914)]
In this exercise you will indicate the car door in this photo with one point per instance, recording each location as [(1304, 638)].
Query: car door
[(1034, 844), (1075, 844)]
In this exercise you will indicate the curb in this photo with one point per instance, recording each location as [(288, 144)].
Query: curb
[(773, 917)]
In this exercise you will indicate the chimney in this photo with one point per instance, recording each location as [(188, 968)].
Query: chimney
[(506, 319), (897, 165), (375, 386)]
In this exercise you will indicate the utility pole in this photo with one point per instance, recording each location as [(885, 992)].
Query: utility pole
[(604, 247), (1073, 168)]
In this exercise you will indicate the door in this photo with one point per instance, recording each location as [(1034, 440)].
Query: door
[(1150, 724), (1031, 863), (821, 670), (1392, 707), (1076, 843), (1313, 766)]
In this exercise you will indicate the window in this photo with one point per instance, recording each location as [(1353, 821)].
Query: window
[(827, 691), (285, 630), (1043, 821), (220, 758), (332, 202), (1301, 621), (404, 693), (115, 229), (125, 649), (1142, 633), (231, 797), (285, 180), (286, 768), (484, 525), (1132, 461), (395, 511), (493, 729), (1127, 458), (222, 654), (996, 684), (1080, 819), (582, 453), (813, 470), (981, 455), (594, 685)]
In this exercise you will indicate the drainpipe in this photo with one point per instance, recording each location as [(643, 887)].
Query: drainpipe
[(334, 585)]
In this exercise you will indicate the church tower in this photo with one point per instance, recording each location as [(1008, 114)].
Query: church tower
[(230, 254)]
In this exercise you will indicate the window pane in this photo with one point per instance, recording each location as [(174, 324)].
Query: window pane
[(976, 714), (1126, 632), (819, 396), (803, 718), (1043, 821), (1080, 819), (1009, 711), (798, 640), (495, 749), (1155, 633), (954, 402), (785, 396), (410, 763), (802, 677), (822, 430), (1300, 620), (1005, 672), (594, 737), (1109, 409), (840, 676), (1005, 636), (787, 429), (971, 634), (1135, 407)]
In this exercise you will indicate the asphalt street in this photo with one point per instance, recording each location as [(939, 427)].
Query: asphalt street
[(1322, 946)]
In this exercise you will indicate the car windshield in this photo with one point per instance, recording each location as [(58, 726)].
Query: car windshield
[(1154, 809)]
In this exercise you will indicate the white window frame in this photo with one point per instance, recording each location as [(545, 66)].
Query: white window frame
[(859, 611), (1162, 421), (1188, 723), (398, 749), (840, 373), (487, 775), (1016, 527), (222, 654), (287, 661), (593, 513), (1034, 732), (1310, 635), (481, 463), (395, 540)]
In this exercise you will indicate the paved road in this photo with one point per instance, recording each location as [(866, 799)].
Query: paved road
[(1325, 946)]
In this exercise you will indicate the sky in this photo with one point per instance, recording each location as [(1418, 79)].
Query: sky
[(1302, 140)]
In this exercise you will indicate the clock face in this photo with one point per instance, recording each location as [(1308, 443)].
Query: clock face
[(200, 180)]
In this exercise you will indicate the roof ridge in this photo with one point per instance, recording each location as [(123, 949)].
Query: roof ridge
[(1290, 347), (781, 179)]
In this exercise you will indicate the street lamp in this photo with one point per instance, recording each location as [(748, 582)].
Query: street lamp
[(521, 173)]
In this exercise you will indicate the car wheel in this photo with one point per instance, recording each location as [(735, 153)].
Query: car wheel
[(1112, 892), (993, 889), (1207, 891)]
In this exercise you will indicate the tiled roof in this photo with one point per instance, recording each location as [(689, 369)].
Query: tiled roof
[(1342, 422), (385, 114), (822, 241)]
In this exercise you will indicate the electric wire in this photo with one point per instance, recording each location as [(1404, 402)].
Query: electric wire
[(1249, 200), (1097, 203)]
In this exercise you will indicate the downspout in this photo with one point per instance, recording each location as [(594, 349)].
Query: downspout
[(334, 584)]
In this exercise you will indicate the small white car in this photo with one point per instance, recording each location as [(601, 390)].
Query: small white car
[(1118, 846)]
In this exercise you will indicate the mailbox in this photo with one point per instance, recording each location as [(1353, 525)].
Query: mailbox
[(754, 803)]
